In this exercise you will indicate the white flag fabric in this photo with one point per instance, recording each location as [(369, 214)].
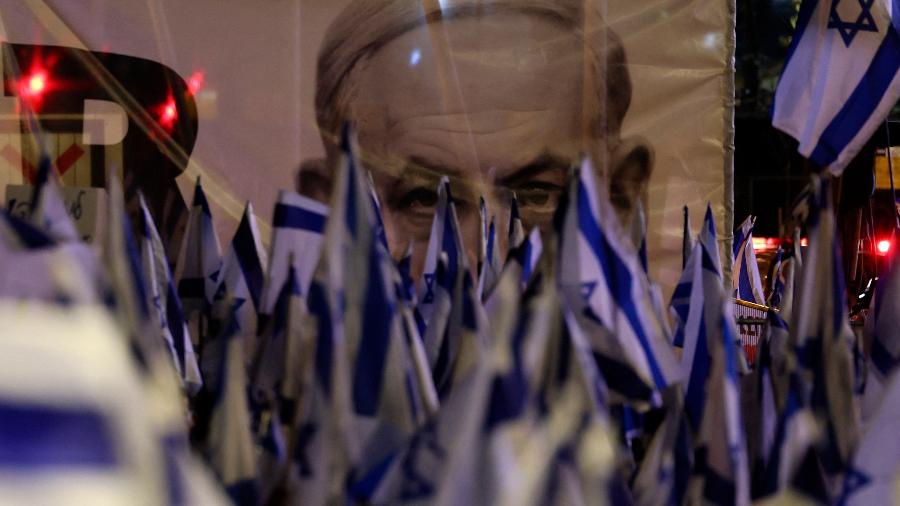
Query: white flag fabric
[(298, 224), (840, 79), (76, 423)]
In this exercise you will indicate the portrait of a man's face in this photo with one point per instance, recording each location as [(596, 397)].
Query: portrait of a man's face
[(502, 97)]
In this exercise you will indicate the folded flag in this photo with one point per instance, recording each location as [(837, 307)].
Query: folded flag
[(298, 223), (604, 284), (516, 229), (822, 339), (164, 303), (883, 329), (48, 210), (240, 287), (228, 445), (721, 468), (445, 239), (745, 277), (840, 79), (455, 333), (200, 260)]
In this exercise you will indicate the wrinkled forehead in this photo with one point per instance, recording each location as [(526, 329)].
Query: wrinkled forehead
[(510, 61)]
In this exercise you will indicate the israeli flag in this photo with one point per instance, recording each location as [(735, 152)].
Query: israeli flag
[(883, 330), (745, 277), (710, 242), (240, 285), (228, 445), (490, 270), (875, 472), (840, 79), (456, 329), (663, 472), (164, 303), (298, 223), (269, 365), (722, 474), (797, 432), (366, 376), (197, 273), (48, 209), (604, 284), (445, 239), (33, 266), (822, 339)]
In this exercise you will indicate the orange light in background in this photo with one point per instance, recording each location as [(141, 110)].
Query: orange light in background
[(883, 247), (762, 243), (804, 242), (759, 243)]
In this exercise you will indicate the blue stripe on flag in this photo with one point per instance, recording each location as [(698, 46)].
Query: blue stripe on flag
[(296, 217), (618, 279), (862, 103), (318, 307), (374, 341), (883, 360), (695, 397), (248, 258), (33, 436)]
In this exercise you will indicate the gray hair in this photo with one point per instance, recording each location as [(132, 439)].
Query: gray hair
[(365, 26)]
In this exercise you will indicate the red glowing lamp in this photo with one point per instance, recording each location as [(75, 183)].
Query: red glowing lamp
[(883, 247), (167, 114)]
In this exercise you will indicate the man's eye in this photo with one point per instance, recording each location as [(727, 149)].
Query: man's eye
[(539, 196), (419, 200)]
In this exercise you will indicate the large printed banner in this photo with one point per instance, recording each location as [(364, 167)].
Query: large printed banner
[(503, 96)]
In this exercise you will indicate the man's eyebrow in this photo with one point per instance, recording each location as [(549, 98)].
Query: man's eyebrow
[(543, 163), (421, 166)]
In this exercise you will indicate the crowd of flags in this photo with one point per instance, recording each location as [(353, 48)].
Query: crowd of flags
[(320, 371)]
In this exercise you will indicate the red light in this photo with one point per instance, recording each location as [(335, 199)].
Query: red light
[(37, 83), (32, 87), (883, 247), (195, 82), (804, 242), (168, 114)]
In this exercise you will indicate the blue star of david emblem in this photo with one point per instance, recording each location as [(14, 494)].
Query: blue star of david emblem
[(848, 29), (429, 288)]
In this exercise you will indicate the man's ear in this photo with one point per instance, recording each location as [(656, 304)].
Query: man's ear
[(314, 180), (631, 163)]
